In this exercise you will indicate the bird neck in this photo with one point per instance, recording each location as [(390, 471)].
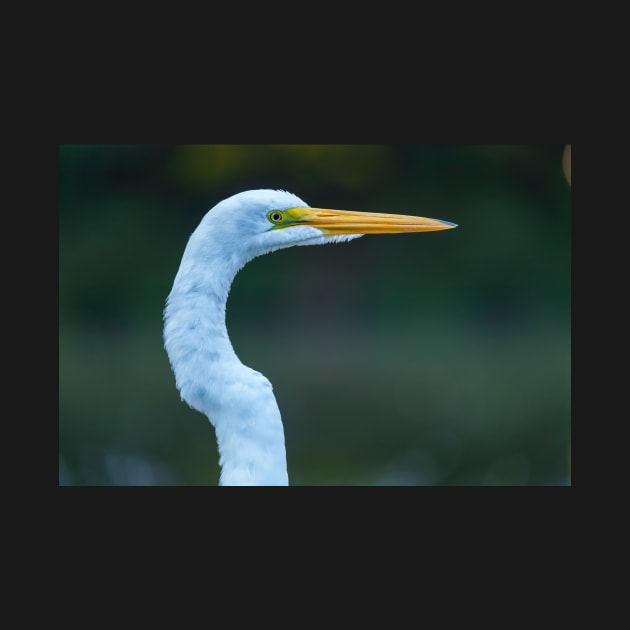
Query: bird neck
[(194, 318), (237, 400)]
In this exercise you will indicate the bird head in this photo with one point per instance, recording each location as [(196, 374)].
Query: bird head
[(257, 222)]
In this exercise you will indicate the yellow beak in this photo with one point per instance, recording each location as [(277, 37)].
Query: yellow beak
[(332, 222)]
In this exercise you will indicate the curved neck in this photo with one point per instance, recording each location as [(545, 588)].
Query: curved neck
[(237, 400)]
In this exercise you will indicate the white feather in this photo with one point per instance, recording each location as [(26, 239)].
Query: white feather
[(238, 401)]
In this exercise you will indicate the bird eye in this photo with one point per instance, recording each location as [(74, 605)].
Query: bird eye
[(275, 216)]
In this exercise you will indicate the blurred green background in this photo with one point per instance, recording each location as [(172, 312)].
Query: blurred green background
[(416, 359)]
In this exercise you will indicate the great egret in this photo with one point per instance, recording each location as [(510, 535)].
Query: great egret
[(237, 400)]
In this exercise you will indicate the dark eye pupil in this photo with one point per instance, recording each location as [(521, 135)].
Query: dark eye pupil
[(276, 216)]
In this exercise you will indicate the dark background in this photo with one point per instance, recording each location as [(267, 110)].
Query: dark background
[(441, 358)]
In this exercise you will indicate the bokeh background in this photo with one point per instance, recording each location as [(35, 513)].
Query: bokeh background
[(441, 358)]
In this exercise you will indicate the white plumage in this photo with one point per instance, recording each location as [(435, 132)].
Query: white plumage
[(238, 400)]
